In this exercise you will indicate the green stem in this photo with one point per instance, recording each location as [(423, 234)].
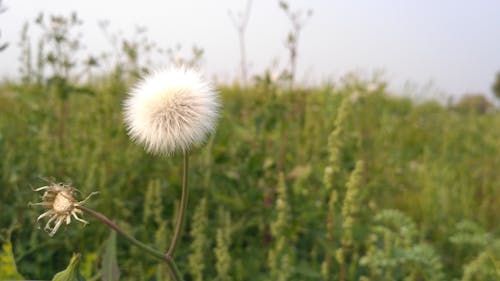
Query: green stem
[(172, 267), (182, 208)]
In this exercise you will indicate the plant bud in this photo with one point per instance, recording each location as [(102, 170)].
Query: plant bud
[(72, 272)]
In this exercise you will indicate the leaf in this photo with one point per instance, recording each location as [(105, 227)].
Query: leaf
[(110, 270), (87, 263), (8, 270), (72, 272)]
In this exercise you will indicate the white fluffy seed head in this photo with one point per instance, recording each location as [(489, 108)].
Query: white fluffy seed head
[(170, 110)]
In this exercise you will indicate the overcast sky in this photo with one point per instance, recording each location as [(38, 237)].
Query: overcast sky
[(455, 44)]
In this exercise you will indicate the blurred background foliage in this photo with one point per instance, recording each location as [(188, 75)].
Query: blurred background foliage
[(339, 182)]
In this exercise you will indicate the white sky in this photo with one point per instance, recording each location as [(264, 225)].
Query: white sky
[(455, 44)]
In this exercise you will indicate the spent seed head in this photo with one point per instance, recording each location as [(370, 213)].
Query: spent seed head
[(60, 202), (171, 110)]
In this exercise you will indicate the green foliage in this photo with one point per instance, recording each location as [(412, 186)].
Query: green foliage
[(153, 205), (72, 272), (280, 256), (471, 234), (476, 103), (486, 266), (395, 253), (326, 266), (221, 250), (350, 205), (410, 165), (335, 142), (8, 270), (110, 270), (350, 209), (199, 241)]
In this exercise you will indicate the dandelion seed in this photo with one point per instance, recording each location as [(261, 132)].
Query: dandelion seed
[(171, 110), (60, 201)]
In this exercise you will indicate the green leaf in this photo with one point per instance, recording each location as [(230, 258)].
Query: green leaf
[(87, 263), (8, 270), (72, 272), (110, 270)]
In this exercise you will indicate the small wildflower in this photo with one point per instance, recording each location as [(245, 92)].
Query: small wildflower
[(60, 201), (170, 110)]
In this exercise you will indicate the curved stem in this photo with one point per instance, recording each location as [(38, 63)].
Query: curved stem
[(182, 208), (172, 267)]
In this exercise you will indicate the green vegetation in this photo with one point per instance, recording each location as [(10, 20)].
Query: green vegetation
[(265, 169), (338, 182)]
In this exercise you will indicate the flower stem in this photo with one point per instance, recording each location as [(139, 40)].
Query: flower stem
[(172, 267), (182, 208)]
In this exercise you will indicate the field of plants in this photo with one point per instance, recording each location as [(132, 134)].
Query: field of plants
[(339, 182)]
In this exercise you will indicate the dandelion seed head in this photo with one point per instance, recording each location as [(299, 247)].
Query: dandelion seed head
[(171, 110)]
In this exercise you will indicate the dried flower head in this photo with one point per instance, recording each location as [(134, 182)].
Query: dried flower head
[(60, 201), (170, 110)]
